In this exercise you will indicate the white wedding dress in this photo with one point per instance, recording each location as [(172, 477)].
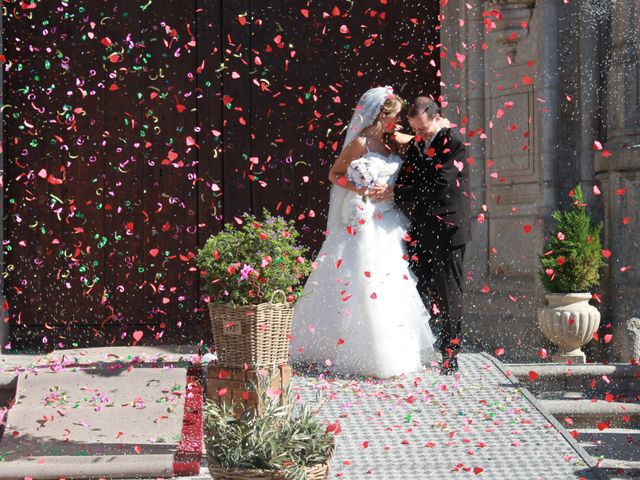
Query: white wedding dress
[(360, 312)]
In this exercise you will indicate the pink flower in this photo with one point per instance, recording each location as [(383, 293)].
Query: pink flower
[(245, 272)]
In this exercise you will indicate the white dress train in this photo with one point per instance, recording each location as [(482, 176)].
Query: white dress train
[(360, 312)]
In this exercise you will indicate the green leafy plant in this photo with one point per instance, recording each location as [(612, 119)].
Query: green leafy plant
[(572, 260), (247, 264), (283, 438)]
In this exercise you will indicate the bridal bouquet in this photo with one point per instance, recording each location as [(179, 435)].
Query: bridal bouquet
[(362, 173)]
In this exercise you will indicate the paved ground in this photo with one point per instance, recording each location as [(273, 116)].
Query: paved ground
[(480, 424), (429, 426)]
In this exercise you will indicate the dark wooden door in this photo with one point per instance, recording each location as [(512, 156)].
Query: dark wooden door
[(317, 61), (134, 130)]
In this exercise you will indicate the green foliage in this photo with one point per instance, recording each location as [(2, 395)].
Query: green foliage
[(572, 258), (247, 264), (279, 439)]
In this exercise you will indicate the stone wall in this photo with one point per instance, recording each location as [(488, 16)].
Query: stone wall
[(535, 79)]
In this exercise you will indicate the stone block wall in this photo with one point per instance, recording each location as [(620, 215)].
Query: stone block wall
[(537, 81)]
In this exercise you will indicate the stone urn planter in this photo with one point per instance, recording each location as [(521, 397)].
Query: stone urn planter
[(570, 322), (572, 262)]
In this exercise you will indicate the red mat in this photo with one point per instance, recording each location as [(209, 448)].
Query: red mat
[(188, 455)]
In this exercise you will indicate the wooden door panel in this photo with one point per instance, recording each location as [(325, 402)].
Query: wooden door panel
[(80, 285), (52, 267), (124, 173), (210, 175), (169, 195)]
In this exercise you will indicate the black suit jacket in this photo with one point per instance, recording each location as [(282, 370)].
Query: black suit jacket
[(433, 192)]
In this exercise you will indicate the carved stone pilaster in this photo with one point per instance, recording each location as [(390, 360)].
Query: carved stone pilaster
[(617, 167), (521, 134), (624, 74), (511, 19)]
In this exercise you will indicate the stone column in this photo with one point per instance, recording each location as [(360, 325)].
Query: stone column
[(508, 89), (547, 88), (617, 168), (588, 86), (520, 164), (477, 253), (452, 38), (463, 89)]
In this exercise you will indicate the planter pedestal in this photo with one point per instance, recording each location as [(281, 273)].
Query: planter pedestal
[(575, 356), (569, 322), (234, 386)]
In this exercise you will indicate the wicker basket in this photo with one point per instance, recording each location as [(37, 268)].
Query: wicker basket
[(316, 472), (256, 335)]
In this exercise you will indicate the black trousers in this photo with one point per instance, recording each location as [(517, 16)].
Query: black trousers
[(440, 280)]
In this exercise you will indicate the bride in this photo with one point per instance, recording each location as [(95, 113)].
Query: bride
[(360, 312)]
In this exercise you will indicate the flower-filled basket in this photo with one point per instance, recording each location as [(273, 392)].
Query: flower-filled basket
[(253, 272)]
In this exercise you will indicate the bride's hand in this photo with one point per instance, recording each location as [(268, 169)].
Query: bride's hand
[(381, 192), (363, 192)]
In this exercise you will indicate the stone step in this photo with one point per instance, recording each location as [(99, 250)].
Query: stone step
[(8, 384), (591, 380), (617, 447), (616, 451), (617, 471), (560, 370), (618, 396), (590, 414)]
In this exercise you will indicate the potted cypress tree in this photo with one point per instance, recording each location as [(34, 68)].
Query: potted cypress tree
[(569, 268)]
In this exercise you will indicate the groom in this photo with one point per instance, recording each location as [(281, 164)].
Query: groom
[(432, 189)]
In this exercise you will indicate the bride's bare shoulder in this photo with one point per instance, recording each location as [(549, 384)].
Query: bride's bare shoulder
[(403, 138)]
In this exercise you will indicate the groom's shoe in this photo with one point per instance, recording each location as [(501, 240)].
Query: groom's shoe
[(449, 366)]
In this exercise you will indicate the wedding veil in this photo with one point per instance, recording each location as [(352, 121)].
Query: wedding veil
[(364, 115)]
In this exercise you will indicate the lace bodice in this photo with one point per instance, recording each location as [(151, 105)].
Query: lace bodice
[(387, 165), (355, 209)]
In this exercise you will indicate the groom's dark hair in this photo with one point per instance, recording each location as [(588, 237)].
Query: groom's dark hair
[(422, 105)]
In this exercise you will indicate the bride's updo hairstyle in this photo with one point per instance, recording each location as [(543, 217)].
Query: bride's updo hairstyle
[(391, 101), (387, 107), (373, 103)]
